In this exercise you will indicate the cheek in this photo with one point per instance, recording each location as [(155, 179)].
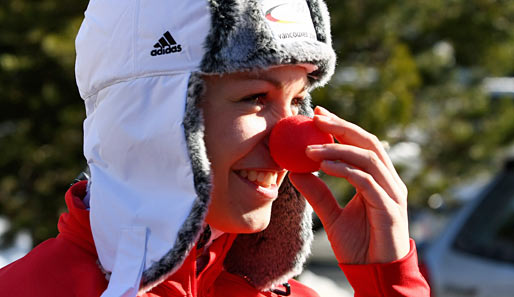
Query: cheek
[(247, 131), (250, 126), (230, 138)]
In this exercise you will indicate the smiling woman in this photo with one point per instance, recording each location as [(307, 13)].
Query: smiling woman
[(184, 198), (239, 111)]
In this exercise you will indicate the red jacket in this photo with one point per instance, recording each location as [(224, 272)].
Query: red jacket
[(67, 266)]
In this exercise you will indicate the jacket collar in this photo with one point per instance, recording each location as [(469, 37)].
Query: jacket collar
[(74, 224)]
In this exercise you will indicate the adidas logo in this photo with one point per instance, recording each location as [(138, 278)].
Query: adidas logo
[(166, 45)]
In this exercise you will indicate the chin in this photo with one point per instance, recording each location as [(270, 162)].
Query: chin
[(251, 222), (254, 226), (255, 220)]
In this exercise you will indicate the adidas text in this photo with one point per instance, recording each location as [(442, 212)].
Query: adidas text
[(167, 50), (166, 45)]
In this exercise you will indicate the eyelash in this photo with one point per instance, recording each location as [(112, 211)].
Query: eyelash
[(258, 98), (254, 98)]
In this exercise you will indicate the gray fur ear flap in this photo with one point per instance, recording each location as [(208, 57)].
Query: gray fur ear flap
[(275, 255), (191, 229)]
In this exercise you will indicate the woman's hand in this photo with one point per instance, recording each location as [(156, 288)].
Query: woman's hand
[(373, 227)]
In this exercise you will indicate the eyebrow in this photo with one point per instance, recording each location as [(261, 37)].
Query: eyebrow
[(276, 83)]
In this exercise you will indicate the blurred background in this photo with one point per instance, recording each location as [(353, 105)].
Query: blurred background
[(435, 79)]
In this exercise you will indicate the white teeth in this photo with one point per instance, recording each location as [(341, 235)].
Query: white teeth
[(252, 175), (271, 178), (262, 178)]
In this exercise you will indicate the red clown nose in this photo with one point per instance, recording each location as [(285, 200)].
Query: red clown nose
[(289, 139)]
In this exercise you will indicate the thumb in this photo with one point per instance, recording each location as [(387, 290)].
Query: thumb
[(318, 195)]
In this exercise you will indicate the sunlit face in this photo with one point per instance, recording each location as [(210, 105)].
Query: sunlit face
[(239, 111)]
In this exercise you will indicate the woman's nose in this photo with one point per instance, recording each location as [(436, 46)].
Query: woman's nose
[(282, 111)]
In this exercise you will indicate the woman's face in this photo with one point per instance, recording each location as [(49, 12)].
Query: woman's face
[(239, 111)]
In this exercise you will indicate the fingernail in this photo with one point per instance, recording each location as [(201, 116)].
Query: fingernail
[(334, 162), (315, 147), (323, 110), (323, 118)]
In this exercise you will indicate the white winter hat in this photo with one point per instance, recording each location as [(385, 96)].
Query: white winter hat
[(139, 66)]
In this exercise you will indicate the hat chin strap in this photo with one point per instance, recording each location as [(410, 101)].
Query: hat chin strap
[(129, 264)]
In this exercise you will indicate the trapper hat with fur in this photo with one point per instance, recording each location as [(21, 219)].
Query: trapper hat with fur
[(139, 66)]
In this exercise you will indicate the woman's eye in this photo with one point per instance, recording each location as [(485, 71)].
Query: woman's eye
[(256, 99), (297, 101)]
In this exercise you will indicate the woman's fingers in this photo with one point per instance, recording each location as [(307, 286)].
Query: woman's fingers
[(351, 134), (366, 160), (373, 194), (319, 196)]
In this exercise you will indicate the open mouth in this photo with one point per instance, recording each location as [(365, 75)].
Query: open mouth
[(264, 179)]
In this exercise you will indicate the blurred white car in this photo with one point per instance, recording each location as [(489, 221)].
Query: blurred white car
[(474, 255)]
